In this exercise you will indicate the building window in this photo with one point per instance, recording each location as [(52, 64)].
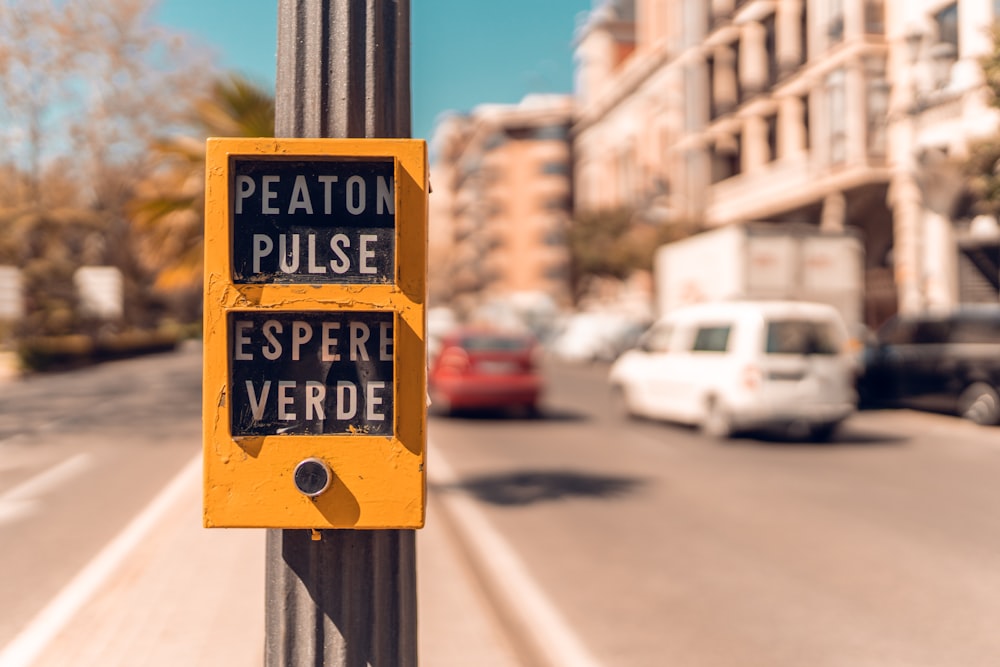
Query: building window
[(727, 156), (772, 136), (713, 111), (877, 107), (543, 133), (556, 204), (555, 237), (557, 272), (520, 133), (555, 168), (552, 132), (735, 50), (804, 34), (874, 17), (837, 115), (806, 128), (947, 26), (770, 45), (835, 21), (494, 141)]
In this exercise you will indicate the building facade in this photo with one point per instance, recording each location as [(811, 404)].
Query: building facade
[(501, 203), (838, 113), (945, 254)]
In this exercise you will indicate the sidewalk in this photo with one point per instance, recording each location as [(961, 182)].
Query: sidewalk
[(187, 596)]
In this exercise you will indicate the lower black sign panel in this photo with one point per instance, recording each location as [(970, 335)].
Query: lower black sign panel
[(311, 373)]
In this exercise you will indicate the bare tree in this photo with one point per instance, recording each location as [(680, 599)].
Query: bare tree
[(85, 88)]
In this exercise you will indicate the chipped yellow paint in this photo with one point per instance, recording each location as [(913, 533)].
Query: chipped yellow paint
[(379, 481)]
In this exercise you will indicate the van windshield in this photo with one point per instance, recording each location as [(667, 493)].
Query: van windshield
[(801, 337)]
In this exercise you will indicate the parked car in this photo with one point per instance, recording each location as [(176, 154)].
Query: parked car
[(596, 336), (741, 366), (944, 362), (485, 368)]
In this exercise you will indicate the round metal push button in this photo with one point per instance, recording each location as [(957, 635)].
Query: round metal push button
[(312, 477)]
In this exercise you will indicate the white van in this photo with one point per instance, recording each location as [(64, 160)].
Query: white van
[(741, 366)]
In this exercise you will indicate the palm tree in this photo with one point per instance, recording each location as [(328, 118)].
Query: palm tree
[(169, 208)]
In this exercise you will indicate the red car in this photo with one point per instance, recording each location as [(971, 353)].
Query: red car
[(482, 368)]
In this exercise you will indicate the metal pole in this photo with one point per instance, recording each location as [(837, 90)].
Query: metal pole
[(349, 598)]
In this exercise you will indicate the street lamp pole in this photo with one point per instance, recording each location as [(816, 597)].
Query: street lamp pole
[(343, 598)]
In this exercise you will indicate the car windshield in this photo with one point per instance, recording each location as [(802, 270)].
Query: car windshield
[(801, 337), (494, 343)]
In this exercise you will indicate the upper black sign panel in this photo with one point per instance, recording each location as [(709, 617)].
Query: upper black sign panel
[(313, 221)]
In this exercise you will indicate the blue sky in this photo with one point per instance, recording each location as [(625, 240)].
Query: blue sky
[(464, 52)]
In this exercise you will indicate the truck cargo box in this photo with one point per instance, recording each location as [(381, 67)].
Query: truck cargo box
[(763, 261)]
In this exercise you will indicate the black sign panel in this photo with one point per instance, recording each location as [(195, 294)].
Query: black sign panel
[(311, 373), (313, 220)]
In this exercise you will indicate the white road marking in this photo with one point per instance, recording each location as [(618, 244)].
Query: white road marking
[(20, 500), (552, 635), (27, 646), (12, 510)]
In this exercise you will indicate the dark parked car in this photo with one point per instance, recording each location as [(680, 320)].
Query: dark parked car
[(484, 368), (948, 362)]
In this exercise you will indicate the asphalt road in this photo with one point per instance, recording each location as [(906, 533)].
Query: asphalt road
[(617, 542), (656, 546), (80, 454)]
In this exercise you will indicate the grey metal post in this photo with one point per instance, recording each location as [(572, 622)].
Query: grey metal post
[(348, 599)]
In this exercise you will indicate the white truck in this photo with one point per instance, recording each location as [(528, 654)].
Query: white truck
[(764, 261)]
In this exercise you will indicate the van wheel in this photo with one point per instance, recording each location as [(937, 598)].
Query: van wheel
[(823, 432), (980, 403), (716, 423)]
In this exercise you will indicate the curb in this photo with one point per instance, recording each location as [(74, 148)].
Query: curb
[(532, 625)]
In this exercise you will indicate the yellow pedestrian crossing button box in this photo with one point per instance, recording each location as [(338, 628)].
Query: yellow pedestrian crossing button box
[(315, 361)]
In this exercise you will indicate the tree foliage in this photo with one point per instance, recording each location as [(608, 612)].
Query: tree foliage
[(169, 208), (615, 243)]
